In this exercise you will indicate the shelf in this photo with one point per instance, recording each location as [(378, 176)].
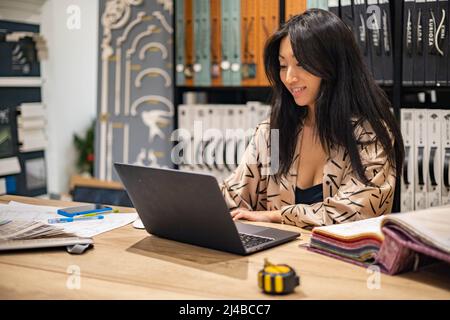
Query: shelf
[(221, 88), (413, 89), (20, 82)]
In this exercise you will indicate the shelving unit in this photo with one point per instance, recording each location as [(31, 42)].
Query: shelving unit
[(19, 87), (398, 94)]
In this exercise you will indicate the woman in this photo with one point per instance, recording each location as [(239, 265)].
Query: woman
[(340, 148)]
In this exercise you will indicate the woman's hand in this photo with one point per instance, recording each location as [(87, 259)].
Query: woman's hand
[(260, 216)]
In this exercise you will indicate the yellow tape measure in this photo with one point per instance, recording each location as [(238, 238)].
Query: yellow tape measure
[(277, 279)]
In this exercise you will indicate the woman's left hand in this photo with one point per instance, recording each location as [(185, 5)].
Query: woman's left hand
[(260, 216)]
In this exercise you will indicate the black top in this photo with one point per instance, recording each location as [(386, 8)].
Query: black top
[(310, 195)]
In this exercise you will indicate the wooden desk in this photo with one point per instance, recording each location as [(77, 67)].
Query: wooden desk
[(128, 263)]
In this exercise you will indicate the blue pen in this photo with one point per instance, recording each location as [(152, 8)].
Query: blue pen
[(63, 220)]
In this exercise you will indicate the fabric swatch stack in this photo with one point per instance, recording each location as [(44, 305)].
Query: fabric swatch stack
[(396, 242)]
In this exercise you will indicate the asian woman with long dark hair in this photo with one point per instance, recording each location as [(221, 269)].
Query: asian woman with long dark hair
[(339, 146)]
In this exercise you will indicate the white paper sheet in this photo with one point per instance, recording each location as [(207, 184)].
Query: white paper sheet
[(88, 228)]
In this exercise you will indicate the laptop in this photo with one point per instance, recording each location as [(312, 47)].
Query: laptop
[(189, 207)]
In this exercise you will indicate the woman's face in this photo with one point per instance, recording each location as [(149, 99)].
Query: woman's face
[(303, 85)]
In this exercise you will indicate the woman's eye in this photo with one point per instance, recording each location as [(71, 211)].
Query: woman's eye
[(282, 67)]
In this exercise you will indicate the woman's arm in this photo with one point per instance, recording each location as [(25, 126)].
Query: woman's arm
[(261, 216), (242, 189)]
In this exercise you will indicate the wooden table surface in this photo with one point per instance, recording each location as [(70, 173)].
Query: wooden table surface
[(128, 263)]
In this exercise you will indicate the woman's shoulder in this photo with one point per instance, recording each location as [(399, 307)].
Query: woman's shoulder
[(263, 128), (264, 125), (364, 132)]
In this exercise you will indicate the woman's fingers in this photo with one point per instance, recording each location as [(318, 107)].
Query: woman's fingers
[(261, 216), (242, 215), (234, 213)]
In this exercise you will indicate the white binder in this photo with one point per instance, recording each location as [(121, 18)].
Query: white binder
[(213, 136), (184, 136), (434, 158), (230, 138), (241, 127), (32, 110), (407, 180), (252, 113), (445, 156), (421, 159), (200, 125)]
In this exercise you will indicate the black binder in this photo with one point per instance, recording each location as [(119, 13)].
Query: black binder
[(419, 43), (373, 18), (448, 46), (442, 43), (347, 13), (408, 41), (361, 31), (388, 56), (430, 49), (333, 6)]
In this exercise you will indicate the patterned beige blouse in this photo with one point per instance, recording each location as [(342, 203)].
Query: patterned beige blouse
[(345, 197)]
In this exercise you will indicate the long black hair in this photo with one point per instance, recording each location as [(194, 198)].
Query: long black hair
[(324, 46)]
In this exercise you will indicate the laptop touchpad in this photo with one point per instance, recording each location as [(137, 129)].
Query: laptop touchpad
[(249, 228)]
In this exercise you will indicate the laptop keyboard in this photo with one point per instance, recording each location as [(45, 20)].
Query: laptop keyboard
[(250, 240)]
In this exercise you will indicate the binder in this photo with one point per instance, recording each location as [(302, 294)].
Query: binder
[(246, 26), (235, 42), (311, 4), (202, 36), (185, 136), (448, 45), (31, 110), (249, 38), (216, 40), (420, 45), (421, 158), (375, 33), (263, 34), (212, 135), (230, 138), (322, 4), (180, 41), (219, 159), (188, 44), (198, 143), (274, 14), (319, 4), (361, 32), (445, 157), (430, 33), (31, 127), (442, 43), (408, 41), (347, 14), (226, 45), (333, 6), (241, 127), (434, 158), (268, 23), (407, 181), (387, 32), (252, 114)]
